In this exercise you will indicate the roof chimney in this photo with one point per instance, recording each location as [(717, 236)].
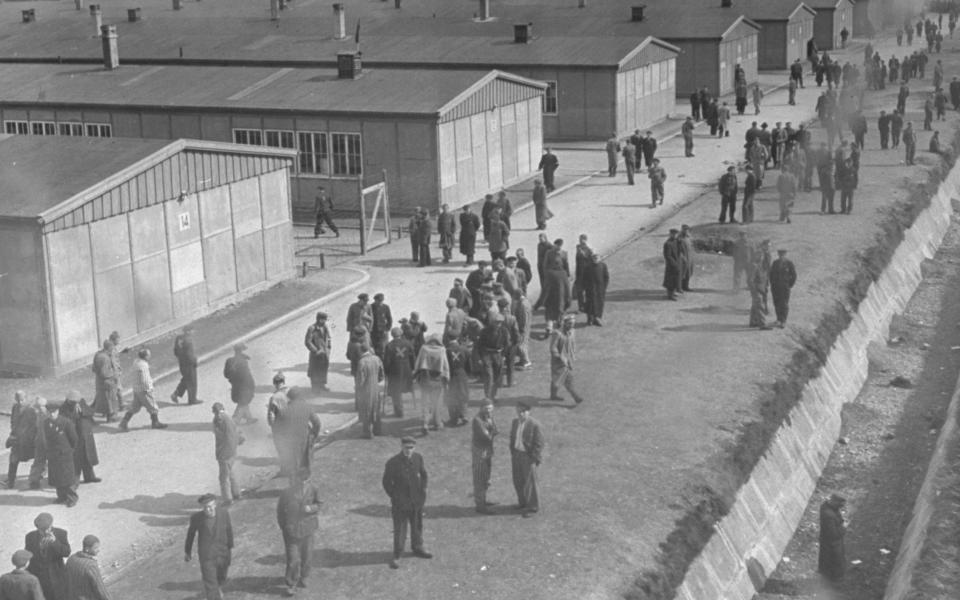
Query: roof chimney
[(97, 18), (581, 3), (396, 4), (177, 4), (636, 12), (29, 15), (274, 10), (484, 14), (133, 15), (111, 58), (349, 65), (339, 22), (79, 4), (523, 33), (726, 3)]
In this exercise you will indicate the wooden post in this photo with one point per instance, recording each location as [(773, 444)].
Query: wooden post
[(363, 216), (386, 208)]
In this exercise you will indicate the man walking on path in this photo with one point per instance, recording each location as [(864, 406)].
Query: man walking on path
[(783, 275), (909, 143), (728, 195), (405, 482), (787, 188), (687, 131), (143, 393), (23, 435), (883, 124), (750, 186), (424, 231), (367, 389), (657, 176), (236, 370), (300, 427), (214, 533), (226, 439), (596, 278), (297, 517), (649, 149), (757, 97), (107, 373), (613, 154), (526, 452), (686, 252), (563, 352), (83, 573), (318, 343), (413, 232), (484, 431), (187, 361), (548, 164), (323, 207)]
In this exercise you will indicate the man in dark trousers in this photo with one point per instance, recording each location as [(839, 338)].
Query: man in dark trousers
[(883, 124), (23, 435), (323, 206), (447, 229), (50, 548), (226, 439), (484, 431), (831, 562), (728, 195), (60, 436), (695, 105), (548, 164), (211, 526), (673, 263), (413, 229), (783, 275), (318, 343), (596, 278), (236, 370), (424, 231), (187, 360), (297, 517), (20, 584), (649, 148), (526, 452), (405, 482), (382, 323), (469, 225), (299, 428)]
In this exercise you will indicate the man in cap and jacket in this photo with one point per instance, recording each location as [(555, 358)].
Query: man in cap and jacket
[(367, 389), (187, 360), (360, 313), (20, 584), (23, 435), (484, 431), (297, 517), (318, 343), (226, 438), (236, 370), (562, 355), (526, 452), (60, 436), (107, 376), (214, 533), (783, 276), (831, 561), (299, 427), (380, 325), (405, 482), (86, 457), (50, 547)]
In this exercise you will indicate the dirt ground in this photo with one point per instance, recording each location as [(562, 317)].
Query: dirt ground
[(668, 385)]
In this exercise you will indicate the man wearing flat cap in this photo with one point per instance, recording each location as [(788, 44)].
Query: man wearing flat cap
[(20, 584), (369, 396), (360, 314), (226, 440), (405, 482), (49, 547), (186, 355), (236, 370), (831, 562), (297, 517), (673, 265), (60, 437), (381, 324), (526, 452), (83, 573), (318, 343), (214, 532), (783, 276)]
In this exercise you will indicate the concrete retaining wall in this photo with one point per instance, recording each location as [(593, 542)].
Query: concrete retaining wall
[(750, 540)]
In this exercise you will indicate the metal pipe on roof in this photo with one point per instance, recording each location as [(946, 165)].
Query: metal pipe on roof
[(274, 10), (111, 56), (97, 19), (484, 10), (339, 22)]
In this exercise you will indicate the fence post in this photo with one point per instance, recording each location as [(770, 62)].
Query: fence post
[(386, 208), (303, 269), (363, 216)]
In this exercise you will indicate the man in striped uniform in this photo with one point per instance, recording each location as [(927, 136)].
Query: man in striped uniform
[(143, 393), (484, 430), (83, 572)]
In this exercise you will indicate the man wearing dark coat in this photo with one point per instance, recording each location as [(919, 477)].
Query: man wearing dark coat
[(318, 343), (226, 440), (382, 323), (297, 517), (85, 457), (107, 375), (20, 584), (629, 159), (686, 245), (541, 212), (299, 427), (831, 561), (474, 285), (413, 226), (236, 370), (555, 293), (673, 262), (214, 533), (405, 482), (548, 164), (23, 434), (398, 360), (649, 149), (187, 360), (447, 229), (489, 205), (60, 436), (424, 231), (469, 224), (360, 313), (728, 195), (50, 548), (695, 105), (526, 452), (783, 275), (596, 278)]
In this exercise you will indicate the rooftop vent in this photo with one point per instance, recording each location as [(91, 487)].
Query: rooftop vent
[(177, 4), (29, 15), (349, 65), (339, 22), (97, 19), (111, 58), (133, 15), (79, 4), (726, 3), (274, 10), (484, 14), (523, 33), (581, 3), (94, 9), (396, 4), (636, 12)]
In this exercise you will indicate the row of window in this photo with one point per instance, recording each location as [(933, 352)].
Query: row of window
[(341, 157), (54, 128)]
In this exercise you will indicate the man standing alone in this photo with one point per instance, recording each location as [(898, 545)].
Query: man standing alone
[(297, 518), (214, 532), (548, 164), (226, 438), (562, 354), (323, 206), (187, 360), (526, 452), (728, 195), (783, 275), (405, 482)]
